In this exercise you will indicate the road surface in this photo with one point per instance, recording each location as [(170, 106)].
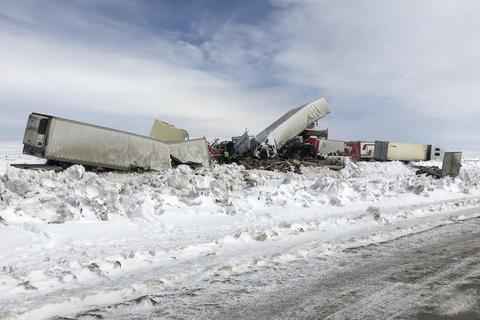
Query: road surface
[(434, 274)]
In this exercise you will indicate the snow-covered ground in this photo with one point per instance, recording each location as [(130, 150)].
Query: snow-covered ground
[(75, 240)]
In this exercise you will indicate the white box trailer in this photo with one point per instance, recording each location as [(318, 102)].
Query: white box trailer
[(395, 151), (67, 141)]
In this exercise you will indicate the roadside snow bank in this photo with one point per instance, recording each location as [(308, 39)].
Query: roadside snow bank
[(76, 195), (68, 236)]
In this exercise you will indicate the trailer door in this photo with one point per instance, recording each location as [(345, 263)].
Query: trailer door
[(35, 137)]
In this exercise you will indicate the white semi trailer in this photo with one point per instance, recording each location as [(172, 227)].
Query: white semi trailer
[(394, 151), (71, 142)]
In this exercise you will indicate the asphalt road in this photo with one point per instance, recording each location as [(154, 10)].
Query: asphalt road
[(430, 275)]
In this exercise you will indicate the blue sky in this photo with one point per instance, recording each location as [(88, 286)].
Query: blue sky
[(404, 70)]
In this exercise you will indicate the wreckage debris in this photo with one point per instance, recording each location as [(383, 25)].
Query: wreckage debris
[(177, 162), (286, 145), (251, 163), (290, 125), (292, 141), (293, 134), (433, 171), (452, 163), (290, 165)]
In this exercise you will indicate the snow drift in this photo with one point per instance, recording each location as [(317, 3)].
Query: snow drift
[(76, 239)]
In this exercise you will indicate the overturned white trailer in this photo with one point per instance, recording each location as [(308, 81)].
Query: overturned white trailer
[(290, 125), (71, 142)]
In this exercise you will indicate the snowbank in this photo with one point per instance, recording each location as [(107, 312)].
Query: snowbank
[(81, 233), (76, 195)]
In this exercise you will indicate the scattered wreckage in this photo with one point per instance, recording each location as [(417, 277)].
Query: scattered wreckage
[(290, 142), (270, 141), (452, 163), (287, 144), (293, 141)]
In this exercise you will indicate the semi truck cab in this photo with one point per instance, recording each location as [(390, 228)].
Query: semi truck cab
[(35, 137)]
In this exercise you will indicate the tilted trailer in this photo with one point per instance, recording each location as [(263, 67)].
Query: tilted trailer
[(63, 141)]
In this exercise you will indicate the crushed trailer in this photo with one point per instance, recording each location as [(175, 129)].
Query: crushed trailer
[(289, 126), (294, 130), (66, 142), (287, 144)]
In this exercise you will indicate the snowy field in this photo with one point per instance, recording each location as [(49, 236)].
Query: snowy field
[(76, 240)]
